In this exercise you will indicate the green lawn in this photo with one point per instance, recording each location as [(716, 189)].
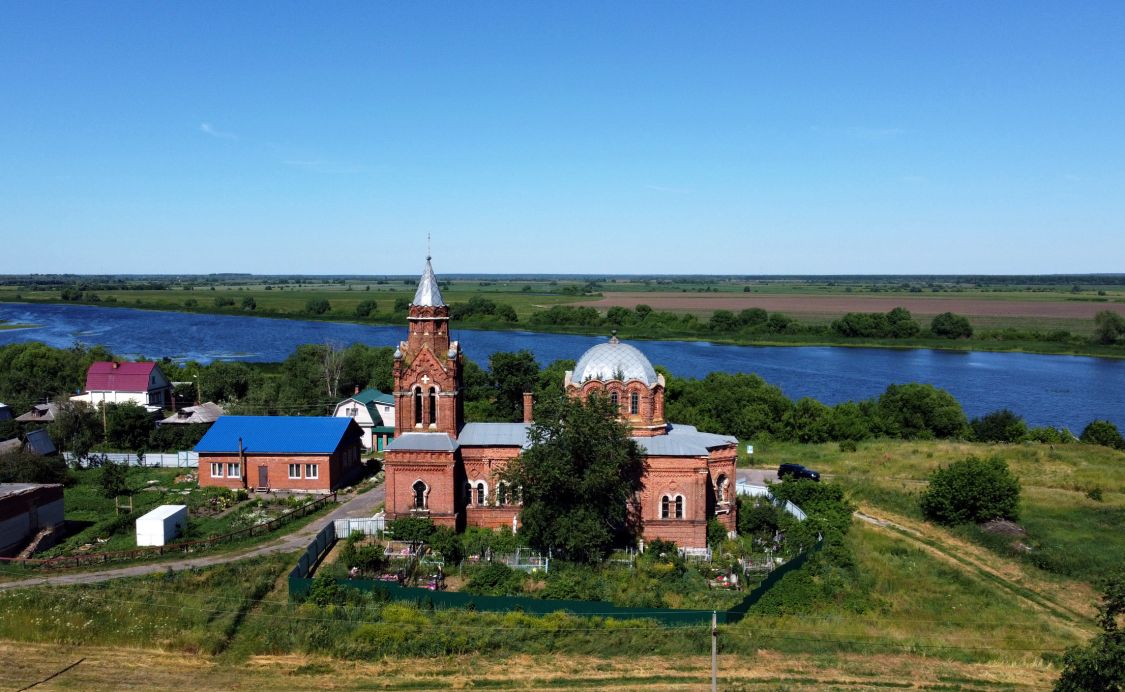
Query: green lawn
[(1068, 532)]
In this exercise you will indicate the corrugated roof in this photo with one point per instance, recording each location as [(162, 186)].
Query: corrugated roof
[(278, 434), (494, 435), (104, 376), (422, 442)]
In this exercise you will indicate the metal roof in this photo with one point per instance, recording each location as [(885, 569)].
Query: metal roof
[(423, 442), (39, 413), (613, 360), (190, 415), (106, 376), (39, 442), (494, 435), (278, 434), (373, 395), (428, 293), (683, 441)]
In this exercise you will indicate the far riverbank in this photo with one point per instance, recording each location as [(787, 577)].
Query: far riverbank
[(1012, 344)]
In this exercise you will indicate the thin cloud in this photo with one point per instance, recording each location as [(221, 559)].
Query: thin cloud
[(209, 129)]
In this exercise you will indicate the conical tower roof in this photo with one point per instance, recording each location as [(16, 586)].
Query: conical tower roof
[(428, 293)]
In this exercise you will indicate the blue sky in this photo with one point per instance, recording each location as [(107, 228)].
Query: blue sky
[(739, 137)]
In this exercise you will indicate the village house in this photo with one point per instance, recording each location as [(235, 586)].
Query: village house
[(40, 413), (118, 383), (194, 415), (374, 412), (440, 467), (310, 454)]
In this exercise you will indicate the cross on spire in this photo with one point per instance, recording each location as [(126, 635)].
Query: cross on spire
[(428, 253)]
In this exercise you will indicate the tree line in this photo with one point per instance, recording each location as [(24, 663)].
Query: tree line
[(317, 376)]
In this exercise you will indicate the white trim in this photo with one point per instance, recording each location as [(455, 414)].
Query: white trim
[(291, 467)]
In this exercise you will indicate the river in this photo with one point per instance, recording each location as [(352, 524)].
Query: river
[(1065, 391)]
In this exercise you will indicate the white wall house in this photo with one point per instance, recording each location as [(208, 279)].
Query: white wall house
[(118, 383), (374, 412)]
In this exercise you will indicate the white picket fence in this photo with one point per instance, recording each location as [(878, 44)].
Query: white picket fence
[(371, 526), (166, 460)]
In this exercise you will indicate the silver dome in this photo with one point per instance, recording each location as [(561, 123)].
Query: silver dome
[(613, 360)]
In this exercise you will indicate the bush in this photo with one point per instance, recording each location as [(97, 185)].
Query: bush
[(950, 326), (848, 446), (365, 308), (115, 479), (999, 426), (972, 490), (1100, 665), (317, 306), (495, 579), (1102, 432)]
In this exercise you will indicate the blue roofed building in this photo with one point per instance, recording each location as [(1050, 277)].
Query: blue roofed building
[(315, 454)]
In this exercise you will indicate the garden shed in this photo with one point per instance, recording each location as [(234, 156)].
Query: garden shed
[(161, 525)]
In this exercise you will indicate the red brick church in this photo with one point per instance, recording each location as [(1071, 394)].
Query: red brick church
[(440, 467)]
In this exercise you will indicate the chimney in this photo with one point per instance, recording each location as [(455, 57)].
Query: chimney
[(357, 389), (115, 365), (528, 401)]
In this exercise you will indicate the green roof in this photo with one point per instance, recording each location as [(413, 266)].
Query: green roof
[(374, 396)]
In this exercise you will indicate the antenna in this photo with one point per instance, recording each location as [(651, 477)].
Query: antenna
[(428, 253)]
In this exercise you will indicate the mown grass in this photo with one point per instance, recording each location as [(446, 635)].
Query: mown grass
[(1068, 532)]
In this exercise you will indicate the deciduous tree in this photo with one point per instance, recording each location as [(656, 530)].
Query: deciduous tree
[(578, 479)]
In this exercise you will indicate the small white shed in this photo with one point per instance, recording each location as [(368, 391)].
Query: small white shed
[(161, 525)]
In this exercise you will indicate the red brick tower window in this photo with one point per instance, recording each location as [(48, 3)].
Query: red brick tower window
[(418, 407), (420, 492), (634, 404), (433, 407)]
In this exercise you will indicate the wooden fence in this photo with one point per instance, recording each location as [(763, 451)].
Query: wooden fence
[(71, 561)]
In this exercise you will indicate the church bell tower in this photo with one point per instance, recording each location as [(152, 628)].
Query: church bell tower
[(427, 367)]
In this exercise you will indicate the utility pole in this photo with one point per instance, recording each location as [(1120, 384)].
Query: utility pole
[(714, 651)]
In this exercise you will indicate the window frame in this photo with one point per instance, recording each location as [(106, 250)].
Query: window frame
[(217, 465), (234, 470), (312, 471), (298, 475)]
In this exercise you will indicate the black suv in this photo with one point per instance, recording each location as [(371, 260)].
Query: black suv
[(797, 472)]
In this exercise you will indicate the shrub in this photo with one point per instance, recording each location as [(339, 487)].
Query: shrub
[(999, 426), (972, 490), (365, 308), (848, 446), (115, 479), (317, 306), (950, 326), (1100, 665), (1102, 432), (495, 579)]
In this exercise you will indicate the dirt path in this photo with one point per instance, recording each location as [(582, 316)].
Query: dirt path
[(1070, 605), (362, 505), (121, 668)]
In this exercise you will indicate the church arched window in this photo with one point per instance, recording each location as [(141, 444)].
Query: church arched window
[(634, 403), (418, 407), (501, 494), (482, 493), (433, 406), (721, 488), (420, 491), (665, 507), (614, 401), (679, 506)]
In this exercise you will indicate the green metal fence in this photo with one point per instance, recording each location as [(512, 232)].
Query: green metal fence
[(300, 583)]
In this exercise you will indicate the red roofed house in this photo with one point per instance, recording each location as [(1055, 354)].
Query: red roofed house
[(119, 383)]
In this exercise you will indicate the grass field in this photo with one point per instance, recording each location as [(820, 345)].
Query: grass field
[(1068, 532), (931, 607)]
